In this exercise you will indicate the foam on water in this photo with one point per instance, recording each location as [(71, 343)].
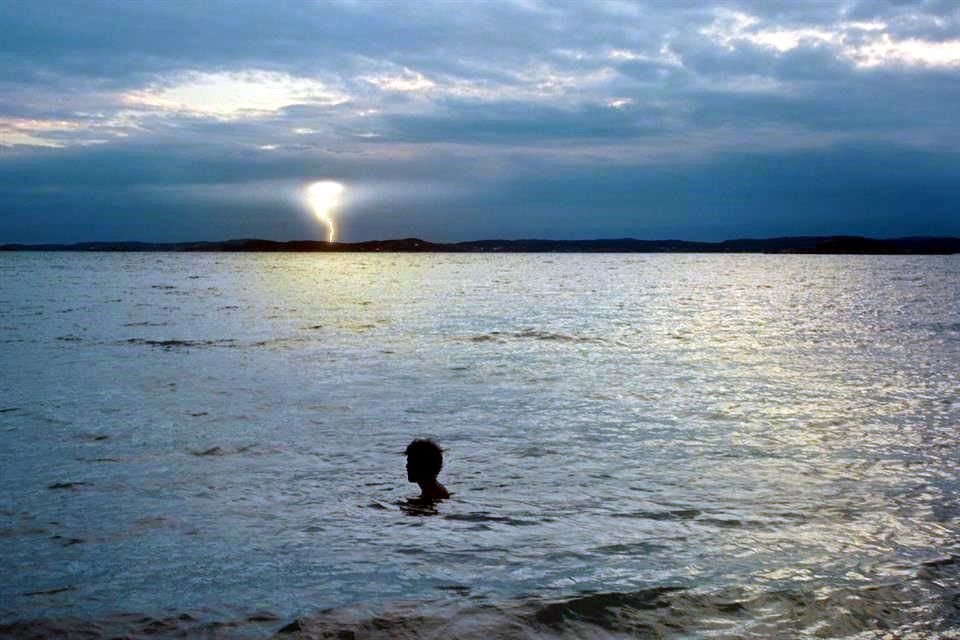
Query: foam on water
[(667, 444)]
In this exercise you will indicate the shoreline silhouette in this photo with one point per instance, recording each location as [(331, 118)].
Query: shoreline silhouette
[(832, 244)]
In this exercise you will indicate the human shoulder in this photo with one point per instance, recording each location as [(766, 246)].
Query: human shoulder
[(436, 492)]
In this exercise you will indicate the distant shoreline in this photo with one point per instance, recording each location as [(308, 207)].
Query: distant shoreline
[(845, 245)]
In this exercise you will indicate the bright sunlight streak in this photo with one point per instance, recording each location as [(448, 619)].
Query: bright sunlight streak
[(323, 197)]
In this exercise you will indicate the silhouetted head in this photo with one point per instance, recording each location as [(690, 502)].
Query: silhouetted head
[(424, 460)]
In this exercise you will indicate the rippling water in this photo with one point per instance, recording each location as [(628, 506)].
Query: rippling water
[(675, 445)]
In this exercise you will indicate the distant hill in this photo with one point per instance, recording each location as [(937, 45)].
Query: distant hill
[(799, 244)]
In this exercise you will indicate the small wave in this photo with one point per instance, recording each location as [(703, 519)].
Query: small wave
[(536, 452), (676, 514), (50, 592), (486, 517), (248, 449), (337, 408), (168, 345), (219, 451), (212, 451), (67, 542), (285, 342), (722, 522), (68, 485), (546, 335), (868, 613), (532, 334), (630, 548), (601, 609), (93, 437), (942, 561), (487, 337), (913, 609), (137, 625)]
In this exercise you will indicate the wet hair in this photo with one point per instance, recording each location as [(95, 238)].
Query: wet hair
[(426, 455)]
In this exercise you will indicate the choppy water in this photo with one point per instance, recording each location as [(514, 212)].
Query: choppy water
[(667, 445)]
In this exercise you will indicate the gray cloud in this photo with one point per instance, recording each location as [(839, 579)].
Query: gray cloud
[(175, 120)]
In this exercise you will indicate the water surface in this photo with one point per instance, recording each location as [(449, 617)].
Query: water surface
[(689, 445)]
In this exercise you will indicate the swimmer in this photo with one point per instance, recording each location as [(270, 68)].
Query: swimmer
[(424, 461)]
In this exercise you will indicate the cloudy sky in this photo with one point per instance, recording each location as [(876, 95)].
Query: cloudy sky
[(170, 121)]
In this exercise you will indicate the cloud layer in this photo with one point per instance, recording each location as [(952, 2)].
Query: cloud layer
[(177, 121)]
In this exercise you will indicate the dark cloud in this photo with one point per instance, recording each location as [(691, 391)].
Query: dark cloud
[(875, 190), (517, 122)]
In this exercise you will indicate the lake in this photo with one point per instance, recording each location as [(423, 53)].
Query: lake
[(666, 445)]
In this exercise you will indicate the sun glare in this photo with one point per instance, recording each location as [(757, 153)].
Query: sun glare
[(323, 197)]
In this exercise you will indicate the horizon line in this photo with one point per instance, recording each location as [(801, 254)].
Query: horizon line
[(839, 244), (758, 238)]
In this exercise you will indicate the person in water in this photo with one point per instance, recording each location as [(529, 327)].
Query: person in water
[(424, 461)]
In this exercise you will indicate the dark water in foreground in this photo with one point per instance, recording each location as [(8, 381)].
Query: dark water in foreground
[(662, 445)]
